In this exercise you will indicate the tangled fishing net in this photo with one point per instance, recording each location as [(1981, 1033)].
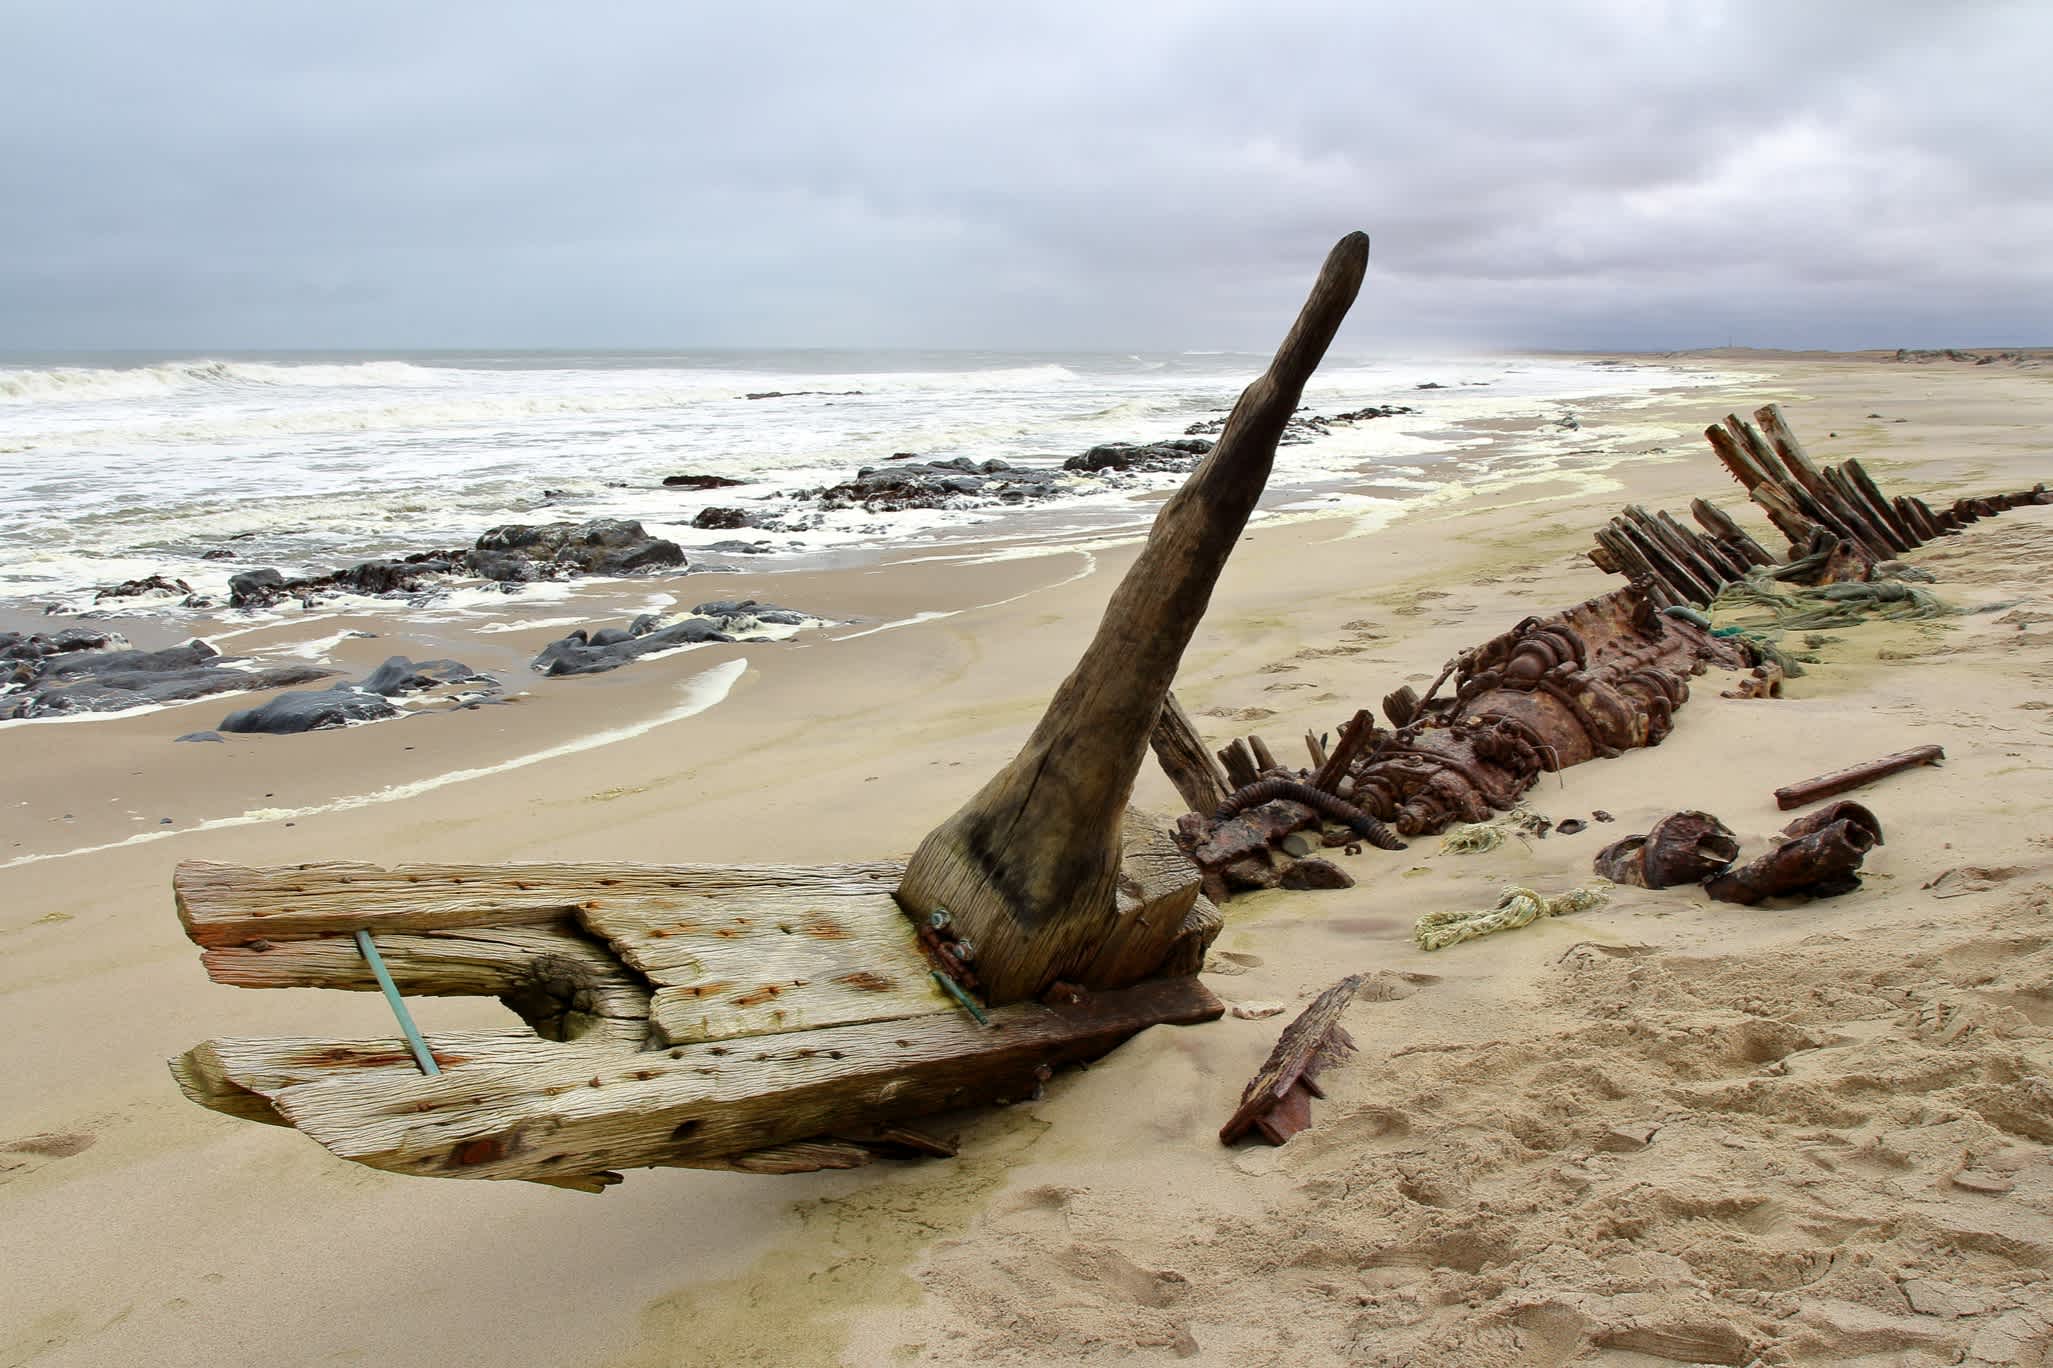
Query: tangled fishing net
[(1762, 609), (1517, 907)]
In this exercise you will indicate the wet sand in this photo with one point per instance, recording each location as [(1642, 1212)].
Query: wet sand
[(1454, 1203)]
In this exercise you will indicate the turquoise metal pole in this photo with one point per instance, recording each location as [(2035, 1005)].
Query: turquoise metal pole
[(391, 990)]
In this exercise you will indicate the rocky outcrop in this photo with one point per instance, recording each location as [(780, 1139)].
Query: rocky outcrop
[(959, 482), (603, 546), (150, 585), (81, 671), (698, 482), (1304, 428), (366, 700), (586, 652), (1177, 455)]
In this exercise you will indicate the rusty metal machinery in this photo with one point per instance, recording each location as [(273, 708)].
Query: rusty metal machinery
[(1595, 681)]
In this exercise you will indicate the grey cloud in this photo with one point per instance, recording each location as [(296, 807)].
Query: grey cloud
[(1604, 173)]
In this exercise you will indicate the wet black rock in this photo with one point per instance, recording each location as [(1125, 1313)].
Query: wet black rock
[(149, 584), (603, 546), (311, 710), (723, 519), (938, 484), (739, 548), (800, 394), (255, 588), (601, 649), (366, 700), (85, 671), (749, 608), (698, 482), (1180, 454), (218, 553), (1430, 384), (585, 652), (200, 736)]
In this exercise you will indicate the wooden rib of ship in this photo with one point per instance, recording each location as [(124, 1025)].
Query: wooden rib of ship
[(773, 1018)]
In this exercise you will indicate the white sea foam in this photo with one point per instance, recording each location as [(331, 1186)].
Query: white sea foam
[(112, 473)]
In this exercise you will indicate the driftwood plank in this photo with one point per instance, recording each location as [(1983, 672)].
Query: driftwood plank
[(1278, 1098), (222, 904), (509, 1107)]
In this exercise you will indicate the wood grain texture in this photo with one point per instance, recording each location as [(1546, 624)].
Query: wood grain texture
[(774, 954), (511, 1106), (1028, 865), (558, 979), (223, 904), (1158, 887)]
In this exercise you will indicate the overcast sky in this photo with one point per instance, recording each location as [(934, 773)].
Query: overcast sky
[(1164, 174)]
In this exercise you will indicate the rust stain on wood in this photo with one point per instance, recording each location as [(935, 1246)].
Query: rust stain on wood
[(867, 981)]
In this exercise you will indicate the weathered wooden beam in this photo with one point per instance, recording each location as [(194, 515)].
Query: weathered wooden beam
[(1198, 776), (225, 904), (1265, 759), (512, 1106), (1353, 737), (1027, 867), (1239, 763), (1158, 892), (1316, 748), (1883, 508), (1845, 519), (1729, 533)]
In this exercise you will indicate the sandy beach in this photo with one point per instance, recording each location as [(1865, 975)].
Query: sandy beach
[(1668, 1130)]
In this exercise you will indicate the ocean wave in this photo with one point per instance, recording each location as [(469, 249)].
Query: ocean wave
[(78, 383)]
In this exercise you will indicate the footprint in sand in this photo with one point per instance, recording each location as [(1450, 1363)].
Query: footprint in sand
[(1288, 684), (34, 1148), (1239, 714), (1277, 667)]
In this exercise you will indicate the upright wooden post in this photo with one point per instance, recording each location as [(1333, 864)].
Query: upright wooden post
[(1026, 869)]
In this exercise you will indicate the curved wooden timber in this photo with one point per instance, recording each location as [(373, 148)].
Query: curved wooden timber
[(1027, 869), (771, 1018)]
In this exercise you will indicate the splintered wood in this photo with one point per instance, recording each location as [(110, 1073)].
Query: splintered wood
[(1278, 1100)]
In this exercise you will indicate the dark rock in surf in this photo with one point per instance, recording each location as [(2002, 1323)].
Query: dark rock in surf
[(723, 519), (255, 588), (311, 710), (81, 671), (366, 700), (698, 482), (136, 588)]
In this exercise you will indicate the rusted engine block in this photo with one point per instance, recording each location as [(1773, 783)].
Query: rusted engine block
[(1599, 679)]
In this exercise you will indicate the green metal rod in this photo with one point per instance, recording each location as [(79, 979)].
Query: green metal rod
[(955, 991), (391, 990)]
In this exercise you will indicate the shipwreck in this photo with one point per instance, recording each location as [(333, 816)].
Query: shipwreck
[(771, 1018)]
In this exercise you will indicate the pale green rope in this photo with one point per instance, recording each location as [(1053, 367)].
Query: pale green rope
[(1517, 907)]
